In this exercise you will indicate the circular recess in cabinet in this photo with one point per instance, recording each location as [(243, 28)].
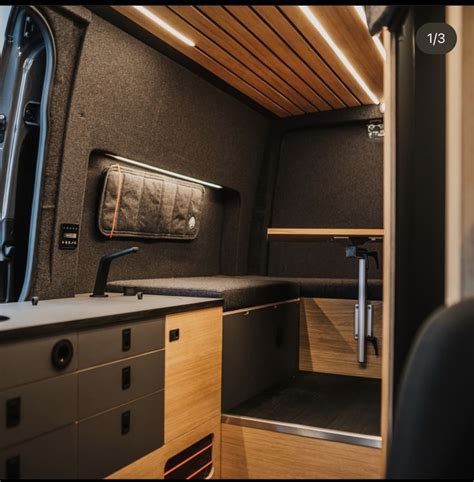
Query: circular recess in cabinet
[(61, 354)]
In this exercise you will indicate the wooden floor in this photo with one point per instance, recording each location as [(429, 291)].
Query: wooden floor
[(336, 402)]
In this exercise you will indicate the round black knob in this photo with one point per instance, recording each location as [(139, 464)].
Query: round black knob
[(61, 354)]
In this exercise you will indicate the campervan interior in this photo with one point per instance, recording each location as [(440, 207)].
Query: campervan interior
[(236, 241)]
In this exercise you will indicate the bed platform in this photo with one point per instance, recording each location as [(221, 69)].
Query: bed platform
[(246, 291)]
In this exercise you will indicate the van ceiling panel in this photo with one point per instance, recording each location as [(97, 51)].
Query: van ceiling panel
[(273, 54)]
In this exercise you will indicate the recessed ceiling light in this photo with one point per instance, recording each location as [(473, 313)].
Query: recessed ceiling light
[(317, 25), (360, 10), (164, 25)]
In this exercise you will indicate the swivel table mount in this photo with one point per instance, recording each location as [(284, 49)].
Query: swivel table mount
[(353, 239)]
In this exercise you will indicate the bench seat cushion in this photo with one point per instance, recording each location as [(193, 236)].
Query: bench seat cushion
[(237, 291), (246, 291), (333, 287)]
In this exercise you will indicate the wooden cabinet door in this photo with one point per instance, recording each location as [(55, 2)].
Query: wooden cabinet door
[(193, 362)]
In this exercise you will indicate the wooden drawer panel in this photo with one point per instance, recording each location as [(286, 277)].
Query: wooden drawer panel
[(103, 345), (29, 361), (51, 456), (31, 410), (327, 343), (103, 444), (192, 370), (111, 385)]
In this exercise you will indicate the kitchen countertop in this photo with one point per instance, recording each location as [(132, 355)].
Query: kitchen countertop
[(72, 314)]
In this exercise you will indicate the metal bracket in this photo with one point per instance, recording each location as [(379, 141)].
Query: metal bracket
[(356, 321), (370, 328)]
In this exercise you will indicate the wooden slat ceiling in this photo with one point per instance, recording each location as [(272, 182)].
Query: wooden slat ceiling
[(273, 54)]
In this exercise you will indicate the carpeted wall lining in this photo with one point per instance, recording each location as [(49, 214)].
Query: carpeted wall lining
[(114, 93), (328, 177), (131, 100)]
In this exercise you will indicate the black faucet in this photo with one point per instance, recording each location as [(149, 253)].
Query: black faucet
[(103, 270)]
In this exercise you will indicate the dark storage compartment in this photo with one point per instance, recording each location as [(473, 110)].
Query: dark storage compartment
[(322, 400), (103, 345), (260, 349), (118, 437), (111, 385), (51, 456), (31, 410), (32, 360)]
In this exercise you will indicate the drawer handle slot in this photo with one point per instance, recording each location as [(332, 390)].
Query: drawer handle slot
[(12, 467), (174, 335), (13, 412), (126, 422), (126, 339), (126, 378)]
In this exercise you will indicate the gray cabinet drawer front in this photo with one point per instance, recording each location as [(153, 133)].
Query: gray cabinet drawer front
[(103, 388), (103, 345), (43, 406), (51, 456), (30, 360), (260, 349), (103, 449)]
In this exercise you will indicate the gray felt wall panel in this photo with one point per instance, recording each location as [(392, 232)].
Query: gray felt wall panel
[(133, 101), (328, 177), (155, 258), (116, 94)]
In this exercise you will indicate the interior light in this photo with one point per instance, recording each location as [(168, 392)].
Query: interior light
[(164, 25), (162, 171), (317, 25), (361, 12)]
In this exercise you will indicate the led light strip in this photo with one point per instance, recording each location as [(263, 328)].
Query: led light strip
[(164, 25), (361, 12), (317, 25), (162, 171)]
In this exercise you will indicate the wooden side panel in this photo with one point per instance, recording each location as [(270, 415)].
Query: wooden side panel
[(389, 191), (249, 453), (152, 465), (193, 366), (327, 343), (460, 157)]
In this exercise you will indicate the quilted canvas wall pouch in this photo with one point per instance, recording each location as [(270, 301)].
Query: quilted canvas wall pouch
[(140, 204)]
